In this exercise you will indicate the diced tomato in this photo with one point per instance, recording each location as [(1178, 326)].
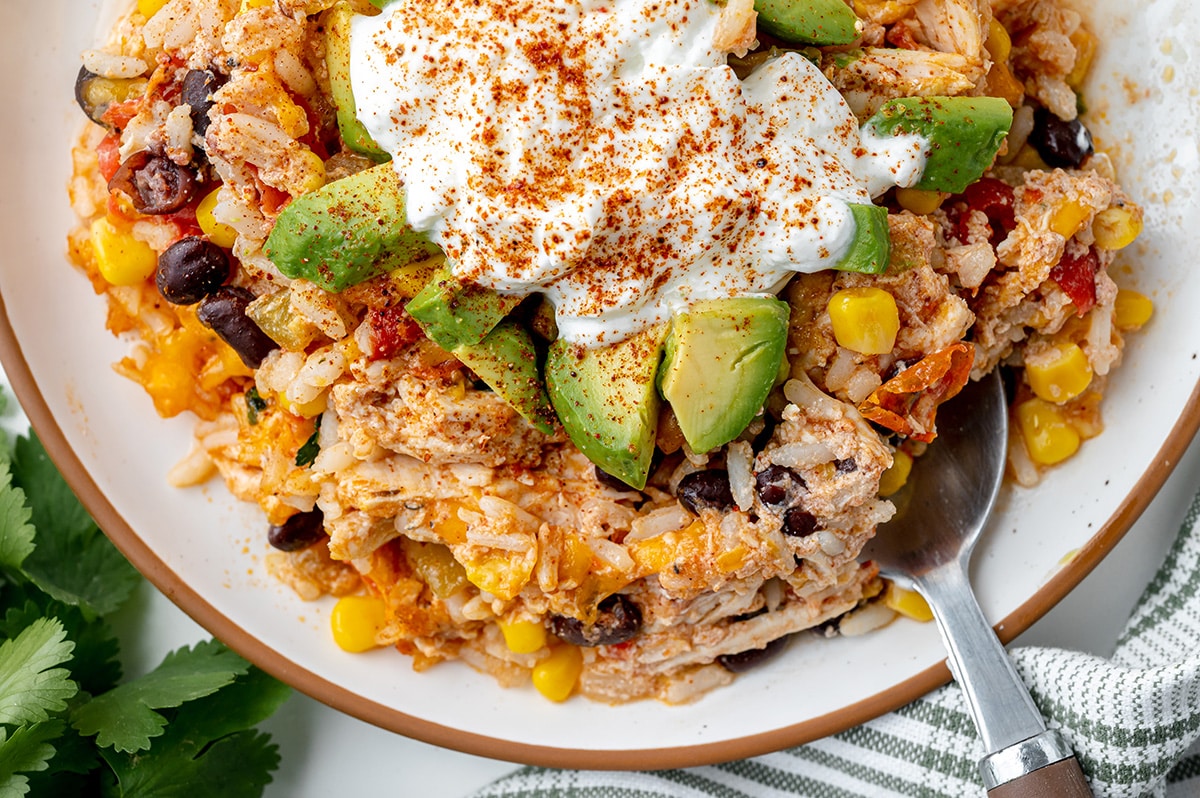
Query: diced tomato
[(185, 220), (995, 199), (119, 114), (273, 200), (1075, 274), (392, 329), (108, 151)]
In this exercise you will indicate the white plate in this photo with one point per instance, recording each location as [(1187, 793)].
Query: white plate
[(204, 550)]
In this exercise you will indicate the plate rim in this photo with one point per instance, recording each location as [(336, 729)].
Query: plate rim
[(341, 698)]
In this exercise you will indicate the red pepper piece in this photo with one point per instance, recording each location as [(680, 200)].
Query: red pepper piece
[(1075, 274)]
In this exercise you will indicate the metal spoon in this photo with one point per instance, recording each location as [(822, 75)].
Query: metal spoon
[(926, 547)]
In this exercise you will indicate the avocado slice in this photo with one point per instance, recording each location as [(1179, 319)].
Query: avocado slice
[(337, 60), (347, 231), (607, 402), (871, 249), (963, 134), (507, 361), (453, 313), (808, 21), (721, 359)]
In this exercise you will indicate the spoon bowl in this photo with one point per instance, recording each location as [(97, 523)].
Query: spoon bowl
[(940, 514)]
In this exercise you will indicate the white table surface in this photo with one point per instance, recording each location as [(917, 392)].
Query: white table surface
[(326, 752)]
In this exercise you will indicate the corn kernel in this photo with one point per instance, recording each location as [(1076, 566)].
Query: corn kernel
[(1049, 437), (1028, 158), (865, 320), (225, 365), (1002, 83), (355, 621), (555, 676), (908, 603), (1069, 218), (999, 43), (169, 384), (1059, 374), (121, 258), (1116, 227), (1131, 309), (896, 476), (249, 4), (919, 201), (1085, 51), (150, 7), (310, 409), (219, 233), (523, 637), (408, 280), (314, 173)]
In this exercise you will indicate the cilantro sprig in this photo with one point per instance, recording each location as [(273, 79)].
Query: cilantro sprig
[(68, 724)]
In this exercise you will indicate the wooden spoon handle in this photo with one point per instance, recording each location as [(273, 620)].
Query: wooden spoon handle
[(1061, 779)]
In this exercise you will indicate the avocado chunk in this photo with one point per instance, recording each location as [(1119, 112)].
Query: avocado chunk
[(871, 248), (607, 401), (808, 21), (963, 135), (347, 231), (722, 358), (337, 60), (453, 313), (507, 361)]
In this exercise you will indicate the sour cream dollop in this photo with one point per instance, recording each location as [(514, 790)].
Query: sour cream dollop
[(602, 153)]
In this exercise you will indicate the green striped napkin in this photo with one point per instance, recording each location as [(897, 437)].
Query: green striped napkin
[(1134, 721)]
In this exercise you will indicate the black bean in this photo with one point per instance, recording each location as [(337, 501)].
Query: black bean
[(91, 101), (779, 486), (191, 269), (618, 619), (846, 466), (799, 523), (764, 437), (1060, 143), (225, 312), (748, 660), (298, 532), (156, 185), (705, 489), (196, 92), (827, 628)]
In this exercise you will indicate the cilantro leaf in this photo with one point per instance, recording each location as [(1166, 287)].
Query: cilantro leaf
[(31, 687), (236, 766), (73, 561), (16, 533), (28, 750), (94, 664), (124, 717), (306, 455), (208, 743)]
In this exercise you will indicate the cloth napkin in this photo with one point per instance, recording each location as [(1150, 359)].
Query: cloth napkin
[(1133, 720)]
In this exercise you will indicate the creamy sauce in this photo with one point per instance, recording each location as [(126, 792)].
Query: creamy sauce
[(601, 152)]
